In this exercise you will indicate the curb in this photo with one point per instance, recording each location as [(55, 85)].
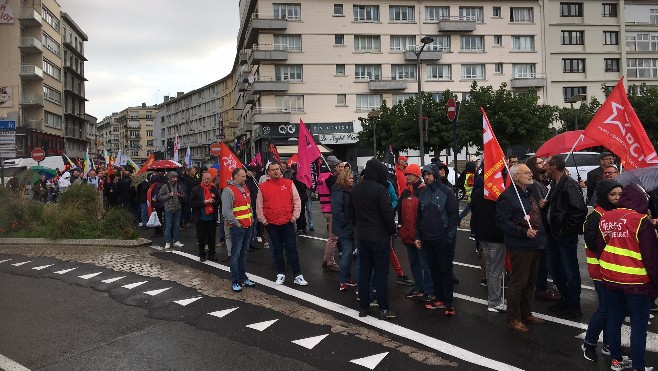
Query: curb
[(76, 242)]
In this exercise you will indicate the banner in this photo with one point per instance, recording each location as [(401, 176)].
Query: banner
[(617, 127), (188, 158), (494, 162), (228, 162), (147, 163), (176, 147), (307, 153), (86, 164), (389, 161)]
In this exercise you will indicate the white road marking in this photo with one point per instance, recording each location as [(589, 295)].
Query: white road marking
[(156, 292), (189, 301), (66, 270), (7, 364), (42, 267), (370, 362), (391, 328), (21, 263), (133, 285), (652, 339), (310, 343), (91, 275), (261, 326), (222, 313), (110, 280), (6, 260)]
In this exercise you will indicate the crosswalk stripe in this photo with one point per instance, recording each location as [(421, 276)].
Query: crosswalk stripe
[(261, 326), (185, 302), (310, 343), (222, 313), (66, 270), (133, 285), (156, 292), (371, 361), (110, 280), (21, 263), (42, 267), (88, 276)]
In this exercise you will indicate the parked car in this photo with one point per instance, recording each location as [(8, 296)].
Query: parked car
[(578, 164)]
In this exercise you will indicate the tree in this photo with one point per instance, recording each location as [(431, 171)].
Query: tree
[(644, 100), (567, 116)]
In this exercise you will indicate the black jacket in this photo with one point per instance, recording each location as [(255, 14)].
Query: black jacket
[(591, 229), (126, 193), (340, 199), (370, 209), (510, 218), (482, 210), (593, 177), (196, 201), (433, 222), (566, 208), (252, 186)]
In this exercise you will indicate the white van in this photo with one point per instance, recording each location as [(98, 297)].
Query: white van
[(51, 162)]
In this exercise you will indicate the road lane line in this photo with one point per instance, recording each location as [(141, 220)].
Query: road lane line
[(9, 365), (436, 344)]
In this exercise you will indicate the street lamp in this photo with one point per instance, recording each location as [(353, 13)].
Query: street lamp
[(374, 114), (424, 41), (576, 98)]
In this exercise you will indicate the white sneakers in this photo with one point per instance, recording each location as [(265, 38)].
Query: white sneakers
[(178, 244), (140, 224), (167, 246), (280, 278), (502, 307)]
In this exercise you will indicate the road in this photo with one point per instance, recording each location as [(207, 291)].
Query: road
[(141, 309)]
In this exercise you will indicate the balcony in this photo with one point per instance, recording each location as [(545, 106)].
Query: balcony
[(32, 100), (243, 56), (265, 25), (33, 124), (73, 49), (426, 55), (264, 84), (79, 94), (29, 17), (132, 125), (30, 45), (381, 85), (266, 54), (30, 72), (457, 24), (251, 98), (268, 115), (528, 81), (68, 67)]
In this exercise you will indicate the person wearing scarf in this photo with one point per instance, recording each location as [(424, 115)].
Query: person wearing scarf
[(205, 201)]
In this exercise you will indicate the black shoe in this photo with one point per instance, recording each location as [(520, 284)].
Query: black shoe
[(213, 258), (404, 280), (387, 314), (589, 352), (363, 312), (202, 258), (573, 314), (254, 248), (427, 298), (414, 293), (558, 307), (455, 280)]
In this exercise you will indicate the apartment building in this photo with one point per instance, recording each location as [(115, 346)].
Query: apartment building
[(43, 92), (135, 127), (108, 133)]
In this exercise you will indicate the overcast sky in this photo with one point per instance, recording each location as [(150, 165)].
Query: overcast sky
[(142, 50)]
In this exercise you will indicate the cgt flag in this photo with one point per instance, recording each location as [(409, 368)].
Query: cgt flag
[(617, 127), (307, 153), (494, 162), (228, 162)]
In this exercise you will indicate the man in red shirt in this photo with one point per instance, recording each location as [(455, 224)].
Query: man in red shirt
[(400, 167)]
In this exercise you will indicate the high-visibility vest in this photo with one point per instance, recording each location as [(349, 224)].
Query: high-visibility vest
[(468, 185), (241, 206), (621, 260), (593, 266)]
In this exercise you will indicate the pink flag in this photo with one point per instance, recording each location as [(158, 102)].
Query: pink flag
[(307, 152), (256, 161)]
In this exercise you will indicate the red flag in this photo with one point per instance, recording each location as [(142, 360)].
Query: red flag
[(148, 163), (494, 162), (617, 127), (228, 162), (307, 152), (294, 159), (256, 161)]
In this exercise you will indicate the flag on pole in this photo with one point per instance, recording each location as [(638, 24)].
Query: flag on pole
[(389, 161), (117, 159), (494, 162), (86, 165), (616, 126), (68, 161), (307, 153), (257, 161), (149, 161), (272, 154), (228, 162), (188, 158), (176, 147), (133, 164)]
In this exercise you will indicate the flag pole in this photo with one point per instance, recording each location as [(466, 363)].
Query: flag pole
[(518, 196), (581, 137)]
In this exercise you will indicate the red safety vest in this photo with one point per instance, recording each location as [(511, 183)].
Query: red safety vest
[(277, 200), (241, 206), (621, 260), (592, 260)]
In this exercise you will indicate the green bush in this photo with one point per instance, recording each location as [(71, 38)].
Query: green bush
[(118, 223)]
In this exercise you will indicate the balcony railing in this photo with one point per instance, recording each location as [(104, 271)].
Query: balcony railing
[(262, 115), (380, 85), (30, 17), (33, 124), (457, 24), (263, 24), (31, 72), (265, 84), (262, 54), (528, 80), (32, 100), (30, 45)]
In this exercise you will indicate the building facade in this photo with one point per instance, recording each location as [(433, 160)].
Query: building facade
[(42, 86), (136, 131)]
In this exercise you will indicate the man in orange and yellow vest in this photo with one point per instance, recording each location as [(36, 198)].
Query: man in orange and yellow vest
[(629, 272), (236, 209)]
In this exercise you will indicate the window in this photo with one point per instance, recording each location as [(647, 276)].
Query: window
[(288, 72), (368, 102), (403, 71), (368, 72), (642, 41), (288, 42), (497, 12), (133, 114), (341, 100), (439, 72), (400, 98), (498, 68), (401, 13), (402, 43), (149, 133), (52, 94), (572, 37), (573, 65), (287, 11), (642, 68), (436, 13), (523, 43), (51, 44), (441, 42), (521, 15), (50, 18), (51, 69), (571, 9), (472, 72), (472, 44), (52, 120), (366, 13), (523, 71), (290, 103), (609, 10), (367, 44), (340, 70), (339, 40), (498, 40), (610, 38), (570, 91), (338, 9), (611, 64), (471, 14), (437, 97)]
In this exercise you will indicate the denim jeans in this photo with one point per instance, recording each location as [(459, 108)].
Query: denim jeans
[(309, 212), (420, 269), (143, 213), (283, 237), (637, 307), (240, 238), (346, 260), (599, 319), (172, 222), (494, 253), (374, 256), (562, 264)]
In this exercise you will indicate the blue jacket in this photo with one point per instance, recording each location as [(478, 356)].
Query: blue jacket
[(340, 223)]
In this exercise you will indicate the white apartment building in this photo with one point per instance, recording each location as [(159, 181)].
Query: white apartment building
[(108, 133)]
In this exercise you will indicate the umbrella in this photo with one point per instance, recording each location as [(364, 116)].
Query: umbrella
[(49, 173), (563, 143), (164, 164), (646, 177)]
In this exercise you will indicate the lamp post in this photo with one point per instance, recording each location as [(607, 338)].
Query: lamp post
[(424, 41), (573, 99)]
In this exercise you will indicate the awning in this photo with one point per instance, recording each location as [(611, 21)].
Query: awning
[(291, 150)]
